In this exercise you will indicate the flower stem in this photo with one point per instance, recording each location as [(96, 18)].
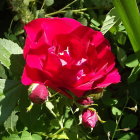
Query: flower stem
[(118, 121), (30, 107)]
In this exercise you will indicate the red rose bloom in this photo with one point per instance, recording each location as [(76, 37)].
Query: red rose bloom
[(89, 118), (65, 55)]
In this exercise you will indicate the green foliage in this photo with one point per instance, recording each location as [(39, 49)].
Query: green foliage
[(134, 74), (131, 61), (10, 91), (59, 117), (129, 121), (131, 18), (128, 136), (49, 2), (10, 123), (121, 56), (109, 126), (24, 136), (116, 111), (8, 48), (110, 20)]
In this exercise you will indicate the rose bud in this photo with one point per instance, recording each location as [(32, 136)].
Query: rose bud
[(85, 101), (38, 93), (89, 118)]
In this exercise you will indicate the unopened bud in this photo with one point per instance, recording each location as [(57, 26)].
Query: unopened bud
[(85, 101), (89, 118), (38, 93)]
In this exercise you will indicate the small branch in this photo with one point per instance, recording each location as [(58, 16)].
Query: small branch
[(117, 122), (64, 11), (42, 5), (67, 6)]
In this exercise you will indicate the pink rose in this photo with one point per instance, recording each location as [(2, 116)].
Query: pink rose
[(89, 118), (85, 101), (65, 55), (38, 93)]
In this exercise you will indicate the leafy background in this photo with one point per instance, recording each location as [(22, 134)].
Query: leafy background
[(58, 118)]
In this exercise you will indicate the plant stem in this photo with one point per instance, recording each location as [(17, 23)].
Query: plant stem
[(64, 11), (42, 5), (60, 130), (118, 121), (61, 10), (67, 6), (130, 16)]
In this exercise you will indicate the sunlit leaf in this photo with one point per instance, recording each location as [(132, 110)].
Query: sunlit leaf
[(8, 48), (10, 123), (110, 20)]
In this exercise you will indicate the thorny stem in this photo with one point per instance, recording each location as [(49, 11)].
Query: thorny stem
[(118, 121)]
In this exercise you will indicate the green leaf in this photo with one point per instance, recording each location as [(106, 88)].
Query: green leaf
[(36, 137), (10, 91), (26, 136), (10, 123), (109, 101), (128, 136), (36, 119), (69, 123), (131, 61), (129, 121), (50, 106), (7, 48), (95, 23), (26, 2), (121, 38), (116, 111), (2, 72), (12, 137), (69, 14), (130, 16), (121, 56), (49, 2), (134, 74), (83, 21), (110, 20), (72, 133)]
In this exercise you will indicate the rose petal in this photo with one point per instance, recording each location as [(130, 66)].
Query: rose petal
[(52, 26), (112, 78), (32, 75)]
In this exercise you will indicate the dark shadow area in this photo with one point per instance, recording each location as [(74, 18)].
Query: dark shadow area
[(5, 17), (17, 65), (11, 90), (11, 93)]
